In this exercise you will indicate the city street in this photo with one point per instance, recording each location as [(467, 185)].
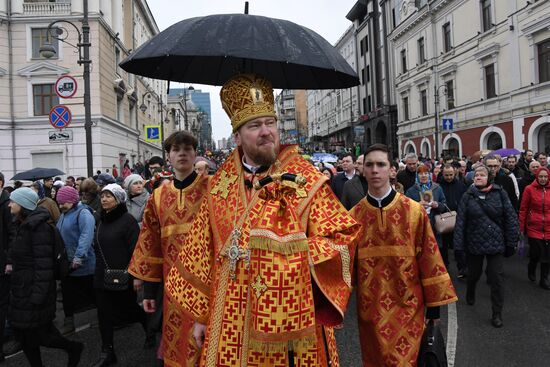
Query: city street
[(521, 342)]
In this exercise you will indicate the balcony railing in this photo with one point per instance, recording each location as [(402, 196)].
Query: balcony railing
[(47, 8)]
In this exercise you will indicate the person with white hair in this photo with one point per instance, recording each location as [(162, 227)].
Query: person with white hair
[(137, 196)]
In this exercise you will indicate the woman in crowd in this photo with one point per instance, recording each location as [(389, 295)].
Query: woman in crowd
[(90, 195), (397, 186), (116, 236), (46, 202), (486, 228), (533, 221), (33, 294), (137, 196)]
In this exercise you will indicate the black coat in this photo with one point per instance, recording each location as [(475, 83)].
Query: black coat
[(32, 301), (507, 184), (486, 222), (453, 192), (117, 234), (7, 229), (407, 179), (337, 184), (354, 191)]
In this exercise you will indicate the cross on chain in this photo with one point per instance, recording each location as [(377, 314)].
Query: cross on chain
[(236, 253)]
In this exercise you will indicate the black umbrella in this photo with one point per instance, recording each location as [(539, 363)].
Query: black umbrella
[(37, 173), (212, 49)]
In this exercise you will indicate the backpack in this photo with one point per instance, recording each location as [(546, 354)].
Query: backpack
[(61, 260)]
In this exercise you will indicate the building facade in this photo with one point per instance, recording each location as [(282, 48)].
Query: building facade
[(27, 86), (291, 109), (470, 75), (332, 112)]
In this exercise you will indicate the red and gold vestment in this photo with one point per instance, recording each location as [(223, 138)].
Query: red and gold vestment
[(399, 272), (166, 222), (281, 282)]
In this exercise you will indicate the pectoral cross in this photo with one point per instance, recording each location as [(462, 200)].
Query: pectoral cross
[(236, 253)]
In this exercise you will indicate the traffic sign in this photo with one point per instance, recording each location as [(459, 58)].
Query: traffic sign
[(152, 133), (65, 86), (60, 116), (60, 136), (447, 124)]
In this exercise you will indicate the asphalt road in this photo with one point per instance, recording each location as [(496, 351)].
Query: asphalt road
[(523, 341)]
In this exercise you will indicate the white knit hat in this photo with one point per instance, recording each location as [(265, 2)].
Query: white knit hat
[(117, 191)]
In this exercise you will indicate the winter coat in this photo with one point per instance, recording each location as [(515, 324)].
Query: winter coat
[(77, 230), (32, 301), (486, 222), (337, 184), (507, 184), (136, 205), (117, 233), (353, 192), (414, 192), (453, 192), (7, 229), (406, 178), (533, 218)]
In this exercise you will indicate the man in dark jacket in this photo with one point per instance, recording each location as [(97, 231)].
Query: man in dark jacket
[(528, 177), (494, 165), (407, 177), (524, 161), (453, 188), (348, 172), (354, 190), (7, 232)]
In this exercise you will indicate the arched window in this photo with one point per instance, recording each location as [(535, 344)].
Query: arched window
[(494, 141), (544, 139), (425, 150), (453, 147)]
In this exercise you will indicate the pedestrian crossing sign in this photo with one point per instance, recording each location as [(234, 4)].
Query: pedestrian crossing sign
[(153, 133)]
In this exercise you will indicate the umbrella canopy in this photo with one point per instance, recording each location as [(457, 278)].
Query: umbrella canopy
[(324, 157), (212, 49), (504, 152), (37, 174)]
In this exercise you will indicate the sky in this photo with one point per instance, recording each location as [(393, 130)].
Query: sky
[(328, 18)]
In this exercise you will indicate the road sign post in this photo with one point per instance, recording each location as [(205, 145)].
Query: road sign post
[(66, 86), (60, 116)]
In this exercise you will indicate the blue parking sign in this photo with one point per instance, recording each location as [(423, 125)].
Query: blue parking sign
[(153, 133)]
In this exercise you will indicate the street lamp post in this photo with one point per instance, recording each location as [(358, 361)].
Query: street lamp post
[(444, 92), (83, 47), (143, 108)]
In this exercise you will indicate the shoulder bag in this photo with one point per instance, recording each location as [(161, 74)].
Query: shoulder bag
[(113, 279), (445, 222)]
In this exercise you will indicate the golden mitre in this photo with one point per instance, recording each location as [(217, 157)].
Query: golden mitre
[(246, 97)]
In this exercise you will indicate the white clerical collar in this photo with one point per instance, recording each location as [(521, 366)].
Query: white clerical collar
[(351, 176), (379, 200), (252, 169)]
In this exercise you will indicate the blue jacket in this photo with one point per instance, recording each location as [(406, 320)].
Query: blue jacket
[(414, 193), (77, 228)]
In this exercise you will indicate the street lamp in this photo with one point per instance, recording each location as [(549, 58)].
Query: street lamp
[(143, 108), (83, 46), (444, 92)]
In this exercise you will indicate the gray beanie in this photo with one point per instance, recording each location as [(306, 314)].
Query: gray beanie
[(131, 179), (25, 197), (117, 191)]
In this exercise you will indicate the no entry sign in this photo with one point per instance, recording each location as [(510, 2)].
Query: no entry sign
[(60, 116)]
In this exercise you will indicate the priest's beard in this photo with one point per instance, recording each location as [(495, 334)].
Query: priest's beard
[(264, 155)]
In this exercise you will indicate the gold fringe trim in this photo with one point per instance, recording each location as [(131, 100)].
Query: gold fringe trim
[(304, 343), (285, 248)]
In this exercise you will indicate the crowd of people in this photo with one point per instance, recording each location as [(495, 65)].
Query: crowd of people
[(198, 256)]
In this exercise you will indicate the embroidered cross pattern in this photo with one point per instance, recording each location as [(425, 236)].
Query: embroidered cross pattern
[(259, 286), (222, 187)]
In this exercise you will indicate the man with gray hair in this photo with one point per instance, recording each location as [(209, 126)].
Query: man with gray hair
[(407, 177)]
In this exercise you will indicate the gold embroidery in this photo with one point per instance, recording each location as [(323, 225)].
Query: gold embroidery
[(346, 261), (222, 187), (259, 286), (382, 251)]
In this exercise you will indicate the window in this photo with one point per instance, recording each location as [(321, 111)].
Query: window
[(403, 61), (421, 54), (117, 60), (486, 18), (364, 106), (39, 37), (368, 73), (405, 108), (447, 45), (44, 98), (544, 61), (362, 76), (369, 103), (361, 47), (424, 102), (366, 44), (450, 94), (393, 19), (490, 88)]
